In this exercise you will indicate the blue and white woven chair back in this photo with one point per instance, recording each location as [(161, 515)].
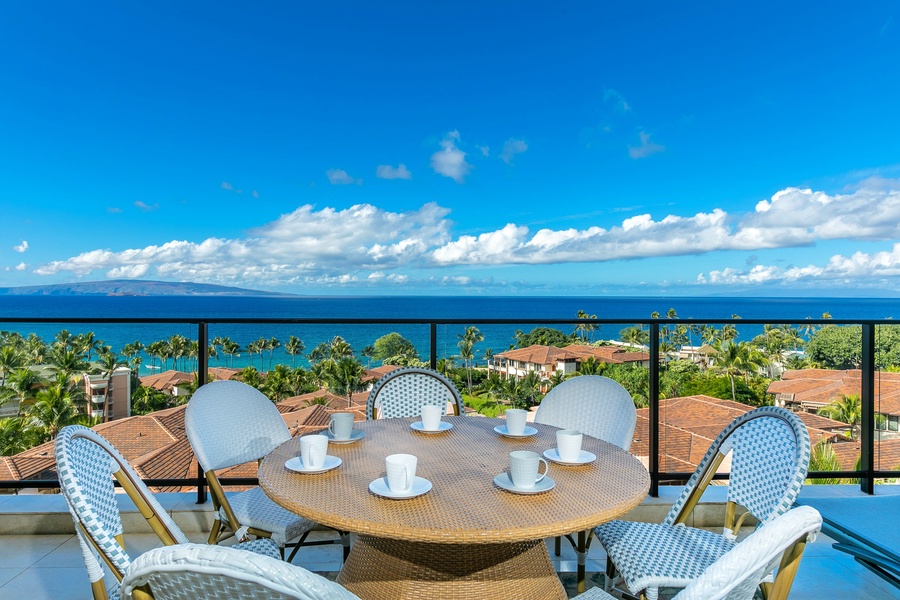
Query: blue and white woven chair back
[(86, 463), (404, 391), (770, 453), (229, 423), (738, 573), (594, 405), (201, 572)]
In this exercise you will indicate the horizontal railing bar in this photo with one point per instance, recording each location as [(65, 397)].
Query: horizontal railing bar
[(242, 481), (426, 321)]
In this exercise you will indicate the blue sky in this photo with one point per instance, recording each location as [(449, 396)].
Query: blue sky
[(464, 148)]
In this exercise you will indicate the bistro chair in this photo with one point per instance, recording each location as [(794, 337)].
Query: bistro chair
[(404, 391), (87, 464), (596, 406), (200, 572), (769, 449), (229, 423), (737, 574)]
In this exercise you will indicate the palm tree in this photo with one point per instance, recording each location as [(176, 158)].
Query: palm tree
[(368, 352), (278, 384), (251, 376), (823, 458), (344, 377), (34, 349), (146, 400), (109, 362), (634, 336), (62, 340), (52, 410), (294, 346), (23, 381), (271, 346), (230, 348), (583, 328), (846, 409), (466, 345), (338, 348), (592, 366), (10, 360), (731, 360), (67, 362)]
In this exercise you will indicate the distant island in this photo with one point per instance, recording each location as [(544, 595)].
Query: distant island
[(130, 287)]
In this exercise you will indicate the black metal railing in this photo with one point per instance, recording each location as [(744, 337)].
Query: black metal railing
[(867, 473)]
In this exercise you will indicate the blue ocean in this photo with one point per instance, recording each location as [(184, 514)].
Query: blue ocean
[(497, 337)]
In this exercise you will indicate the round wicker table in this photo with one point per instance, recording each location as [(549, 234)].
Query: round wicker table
[(466, 538)]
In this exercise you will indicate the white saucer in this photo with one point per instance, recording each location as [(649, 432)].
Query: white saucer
[(296, 464), (443, 426), (529, 431), (584, 457), (356, 434), (379, 487), (503, 481)]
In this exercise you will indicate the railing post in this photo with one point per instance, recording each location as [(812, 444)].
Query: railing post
[(653, 442), (202, 372), (867, 412), (433, 346)]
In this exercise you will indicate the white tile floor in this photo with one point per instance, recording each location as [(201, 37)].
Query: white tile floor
[(50, 567)]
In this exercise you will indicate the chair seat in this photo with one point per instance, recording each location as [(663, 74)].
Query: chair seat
[(254, 509), (262, 546), (651, 555)]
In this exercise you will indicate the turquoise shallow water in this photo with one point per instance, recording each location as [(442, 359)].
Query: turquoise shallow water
[(497, 337)]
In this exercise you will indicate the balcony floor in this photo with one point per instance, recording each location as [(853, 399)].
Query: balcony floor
[(50, 567)]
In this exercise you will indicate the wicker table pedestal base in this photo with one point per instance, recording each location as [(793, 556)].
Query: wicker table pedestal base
[(386, 569)]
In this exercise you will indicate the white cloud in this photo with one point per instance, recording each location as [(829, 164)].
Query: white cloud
[(21, 247), (450, 161), (485, 150), (327, 245), (146, 207), (255, 194), (511, 148), (389, 172), (341, 177), (128, 272), (21, 266), (114, 210), (614, 97), (646, 148), (370, 244), (227, 186), (858, 267)]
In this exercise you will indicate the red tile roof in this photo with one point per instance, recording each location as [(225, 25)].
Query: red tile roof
[(815, 387)]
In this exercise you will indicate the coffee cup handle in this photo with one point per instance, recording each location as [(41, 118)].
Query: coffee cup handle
[(544, 474), (407, 478), (331, 427)]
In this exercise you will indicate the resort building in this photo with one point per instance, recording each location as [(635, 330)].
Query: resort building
[(808, 390), (176, 383), (109, 394), (547, 361)]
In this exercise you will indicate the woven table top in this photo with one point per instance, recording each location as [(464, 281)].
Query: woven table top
[(464, 506)]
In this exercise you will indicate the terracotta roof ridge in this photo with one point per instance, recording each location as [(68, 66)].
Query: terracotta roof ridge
[(162, 426), (11, 464)]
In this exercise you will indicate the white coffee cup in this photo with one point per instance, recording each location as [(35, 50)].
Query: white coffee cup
[(341, 425), (431, 417), (313, 449), (568, 445), (401, 471), (523, 468), (515, 421)]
